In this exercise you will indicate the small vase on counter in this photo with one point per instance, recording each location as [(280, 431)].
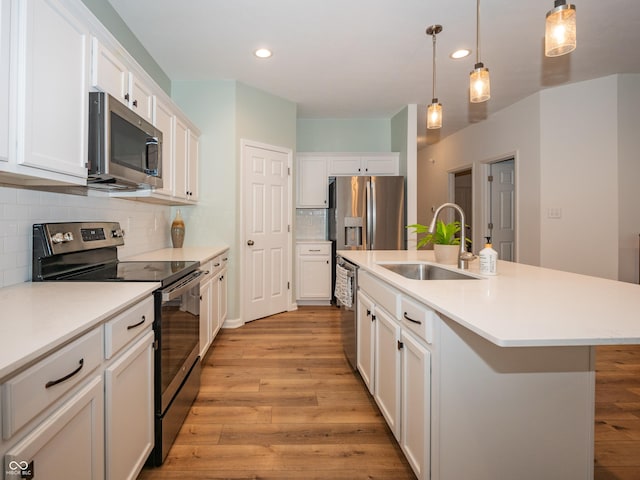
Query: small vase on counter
[(177, 231)]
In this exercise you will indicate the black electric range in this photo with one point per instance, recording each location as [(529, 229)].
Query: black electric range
[(87, 251)]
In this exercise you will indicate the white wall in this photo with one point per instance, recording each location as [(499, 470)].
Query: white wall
[(629, 177), (513, 131), (579, 174), (147, 227)]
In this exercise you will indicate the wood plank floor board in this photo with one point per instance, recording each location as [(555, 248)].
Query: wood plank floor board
[(279, 402)]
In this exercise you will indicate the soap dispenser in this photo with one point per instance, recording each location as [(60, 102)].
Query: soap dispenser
[(488, 259)]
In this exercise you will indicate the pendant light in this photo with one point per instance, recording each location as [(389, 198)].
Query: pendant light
[(479, 83), (560, 30), (434, 111)]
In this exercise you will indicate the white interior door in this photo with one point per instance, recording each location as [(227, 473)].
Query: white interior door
[(502, 189), (266, 238)]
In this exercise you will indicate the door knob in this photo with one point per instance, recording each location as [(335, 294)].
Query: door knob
[(250, 243)]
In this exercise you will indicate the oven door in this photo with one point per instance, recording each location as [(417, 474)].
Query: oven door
[(177, 329)]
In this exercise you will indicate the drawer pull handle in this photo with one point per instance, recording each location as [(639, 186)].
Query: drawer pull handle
[(225, 259), (144, 319), (216, 264), (314, 249), (51, 383), (207, 272), (411, 319)]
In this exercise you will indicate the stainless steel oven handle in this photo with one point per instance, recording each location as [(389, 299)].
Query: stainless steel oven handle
[(181, 286)]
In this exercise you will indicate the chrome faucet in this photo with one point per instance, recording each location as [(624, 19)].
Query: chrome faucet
[(464, 257)]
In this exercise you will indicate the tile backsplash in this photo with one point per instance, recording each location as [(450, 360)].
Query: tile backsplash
[(311, 223), (146, 226)]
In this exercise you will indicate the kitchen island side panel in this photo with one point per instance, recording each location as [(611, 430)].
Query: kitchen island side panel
[(525, 413)]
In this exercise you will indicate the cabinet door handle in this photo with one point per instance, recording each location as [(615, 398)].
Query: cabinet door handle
[(144, 319), (51, 383), (126, 97), (368, 312), (373, 317), (400, 345), (135, 103), (411, 319)]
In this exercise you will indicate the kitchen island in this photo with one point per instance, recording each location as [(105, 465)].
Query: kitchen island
[(507, 361)]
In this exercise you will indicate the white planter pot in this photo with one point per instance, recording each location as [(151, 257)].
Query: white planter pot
[(447, 254)]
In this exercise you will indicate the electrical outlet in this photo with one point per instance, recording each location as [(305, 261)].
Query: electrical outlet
[(554, 212)]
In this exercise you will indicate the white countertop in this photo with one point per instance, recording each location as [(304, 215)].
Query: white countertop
[(522, 305), (37, 318), (202, 254), (42, 316)]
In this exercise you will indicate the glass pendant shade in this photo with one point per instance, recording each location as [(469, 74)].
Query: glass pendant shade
[(434, 115), (560, 31), (479, 84)]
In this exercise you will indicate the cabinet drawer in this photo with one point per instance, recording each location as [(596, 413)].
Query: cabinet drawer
[(128, 325), (384, 296), (314, 248), (30, 392), (418, 318)]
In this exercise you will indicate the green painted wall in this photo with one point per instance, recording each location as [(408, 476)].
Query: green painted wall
[(399, 132), (103, 10), (343, 135), (226, 111)]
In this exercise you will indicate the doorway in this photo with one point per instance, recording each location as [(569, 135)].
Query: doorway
[(463, 196), (265, 230), (501, 225)]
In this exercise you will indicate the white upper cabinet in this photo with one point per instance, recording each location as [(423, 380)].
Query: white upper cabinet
[(185, 162), (110, 73), (313, 183), (5, 39), (166, 121), (141, 98), (363, 164), (51, 91)]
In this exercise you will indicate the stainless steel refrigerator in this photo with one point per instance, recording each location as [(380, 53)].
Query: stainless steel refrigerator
[(367, 213)]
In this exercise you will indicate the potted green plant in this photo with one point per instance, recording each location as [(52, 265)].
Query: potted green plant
[(446, 245)]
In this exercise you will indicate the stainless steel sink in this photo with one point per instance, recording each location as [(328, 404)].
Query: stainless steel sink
[(425, 271)]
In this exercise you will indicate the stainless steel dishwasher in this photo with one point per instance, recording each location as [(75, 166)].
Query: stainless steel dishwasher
[(346, 299)]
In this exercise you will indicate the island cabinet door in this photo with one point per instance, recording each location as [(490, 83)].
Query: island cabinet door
[(366, 336), (416, 404), (387, 369)]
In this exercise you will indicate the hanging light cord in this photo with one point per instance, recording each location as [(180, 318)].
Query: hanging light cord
[(478, 31), (433, 92)]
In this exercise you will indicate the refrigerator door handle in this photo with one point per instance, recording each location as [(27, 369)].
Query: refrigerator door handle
[(371, 212)]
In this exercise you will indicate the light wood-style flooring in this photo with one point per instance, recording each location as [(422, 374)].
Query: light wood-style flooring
[(279, 402)]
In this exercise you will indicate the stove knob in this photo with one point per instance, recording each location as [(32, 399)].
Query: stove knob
[(118, 233), (57, 238), (68, 237)]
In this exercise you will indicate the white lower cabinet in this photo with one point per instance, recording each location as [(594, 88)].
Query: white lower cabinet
[(416, 404), (68, 444), (129, 410), (84, 411), (313, 272), (387, 369), (365, 328), (395, 364), (213, 300)]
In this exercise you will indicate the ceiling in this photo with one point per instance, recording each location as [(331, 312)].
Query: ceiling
[(370, 58)]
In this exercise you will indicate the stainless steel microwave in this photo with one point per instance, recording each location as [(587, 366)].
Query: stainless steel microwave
[(125, 151)]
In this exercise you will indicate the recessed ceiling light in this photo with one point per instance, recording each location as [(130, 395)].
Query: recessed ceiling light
[(463, 52), (263, 53)]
